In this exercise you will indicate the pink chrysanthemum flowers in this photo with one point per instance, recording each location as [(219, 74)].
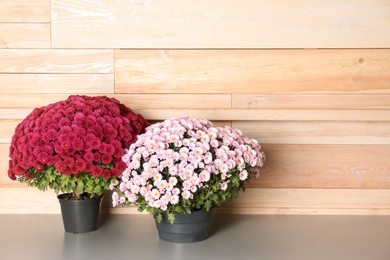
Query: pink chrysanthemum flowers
[(186, 164)]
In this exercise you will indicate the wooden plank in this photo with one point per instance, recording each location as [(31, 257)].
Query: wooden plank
[(4, 158), (33, 201), (30, 101), (259, 201), (175, 101), (134, 101), (270, 114), (313, 198), (253, 71), (311, 101), (241, 115), (8, 127), (303, 166), (313, 132), (20, 11), (56, 61), (244, 114), (324, 166), (24, 35), (6, 182), (106, 209), (56, 83), (220, 24), (7, 130), (285, 211), (267, 211)]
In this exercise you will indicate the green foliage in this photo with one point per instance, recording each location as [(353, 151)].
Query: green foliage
[(204, 198), (171, 217), (74, 184)]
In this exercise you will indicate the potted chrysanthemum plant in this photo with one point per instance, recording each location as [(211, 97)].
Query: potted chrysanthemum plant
[(184, 168), (74, 147)]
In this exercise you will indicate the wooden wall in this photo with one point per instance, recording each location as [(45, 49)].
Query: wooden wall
[(309, 79)]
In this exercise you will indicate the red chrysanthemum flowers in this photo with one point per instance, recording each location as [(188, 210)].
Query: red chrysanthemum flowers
[(80, 135)]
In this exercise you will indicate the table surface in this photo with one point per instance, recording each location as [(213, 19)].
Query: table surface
[(134, 236)]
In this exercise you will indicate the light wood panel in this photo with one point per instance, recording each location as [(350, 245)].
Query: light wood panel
[(302, 166), (4, 158), (56, 61), (9, 125), (220, 24), (324, 166), (7, 130), (134, 101), (270, 114), (311, 101), (175, 101), (56, 83), (22, 101), (309, 80), (313, 132), (24, 35), (313, 198), (252, 71), (268, 211), (260, 201), (243, 115), (287, 211), (17, 11), (28, 200)]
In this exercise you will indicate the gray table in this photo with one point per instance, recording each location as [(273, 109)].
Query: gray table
[(233, 237)]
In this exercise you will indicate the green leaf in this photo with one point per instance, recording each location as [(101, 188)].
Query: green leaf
[(159, 217), (171, 217), (179, 209), (79, 188), (208, 205)]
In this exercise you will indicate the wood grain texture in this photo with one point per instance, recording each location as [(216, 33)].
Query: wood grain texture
[(281, 201), (311, 101), (303, 166), (134, 101), (220, 24), (245, 115), (270, 114), (309, 80), (268, 211), (287, 211), (8, 126), (314, 132), (17, 11), (324, 166), (4, 158), (24, 35), (31, 101), (175, 101), (56, 83), (313, 198), (252, 71), (56, 61), (7, 129), (33, 201)]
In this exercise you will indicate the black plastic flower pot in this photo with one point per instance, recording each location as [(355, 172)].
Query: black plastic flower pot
[(187, 228), (80, 216)]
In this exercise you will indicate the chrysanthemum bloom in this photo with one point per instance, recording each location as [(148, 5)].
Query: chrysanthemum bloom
[(195, 165), (74, 145)]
